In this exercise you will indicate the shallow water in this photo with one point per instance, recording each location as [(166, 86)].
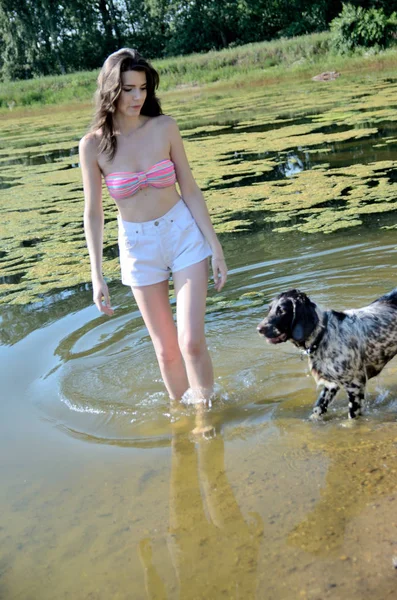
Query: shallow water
[(106, 493)]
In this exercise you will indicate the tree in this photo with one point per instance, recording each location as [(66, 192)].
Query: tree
[(43, 37), (358, 27)]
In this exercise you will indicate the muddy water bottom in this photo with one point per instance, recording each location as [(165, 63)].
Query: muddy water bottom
[(107, 493)]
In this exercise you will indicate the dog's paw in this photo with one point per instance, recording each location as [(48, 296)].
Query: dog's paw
[(316, 415)]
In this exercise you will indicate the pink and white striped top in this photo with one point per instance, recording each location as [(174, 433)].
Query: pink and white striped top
[(123, 184)]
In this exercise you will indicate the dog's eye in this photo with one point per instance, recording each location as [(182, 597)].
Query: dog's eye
[(279, 311)]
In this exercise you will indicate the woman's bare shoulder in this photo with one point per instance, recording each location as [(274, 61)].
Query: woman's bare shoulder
[(89, 144), (169, 128), (165, 121)]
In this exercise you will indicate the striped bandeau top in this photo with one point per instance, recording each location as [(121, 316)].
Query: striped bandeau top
[(123, 184)]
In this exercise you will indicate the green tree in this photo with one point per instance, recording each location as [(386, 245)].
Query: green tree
[(20, 48), (153, 27), (83, 36), (388, 6), (357, 27), (42, 37), (202, 25)]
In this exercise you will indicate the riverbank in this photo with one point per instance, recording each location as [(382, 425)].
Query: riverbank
[(265, 62)]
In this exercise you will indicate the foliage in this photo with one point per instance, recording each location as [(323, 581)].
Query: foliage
[(388, 6), (43, 37), (356, 27)]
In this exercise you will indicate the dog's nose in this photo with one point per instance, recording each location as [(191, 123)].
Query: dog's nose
[(261, 329)]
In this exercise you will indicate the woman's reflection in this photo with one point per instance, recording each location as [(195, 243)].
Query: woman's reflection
[(213, 549)]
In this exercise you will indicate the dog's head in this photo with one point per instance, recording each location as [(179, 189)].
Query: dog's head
[(292, 316)]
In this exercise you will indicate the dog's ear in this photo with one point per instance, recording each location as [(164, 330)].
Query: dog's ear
[(305, 318)]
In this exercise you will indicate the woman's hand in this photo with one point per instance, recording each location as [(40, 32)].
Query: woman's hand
[(101, 296), (219, 270)]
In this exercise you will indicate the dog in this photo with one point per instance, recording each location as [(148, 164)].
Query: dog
[(345, 349)]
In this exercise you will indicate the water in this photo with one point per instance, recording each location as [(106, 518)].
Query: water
[(107, 493)]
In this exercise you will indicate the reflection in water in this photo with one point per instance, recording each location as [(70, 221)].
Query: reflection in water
[(40, 158), (10, 182), (16, 278), (361, 470), (374, 147), (213, 549), (226, 127)]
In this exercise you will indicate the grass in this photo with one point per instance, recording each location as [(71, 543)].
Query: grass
[(265, 61)]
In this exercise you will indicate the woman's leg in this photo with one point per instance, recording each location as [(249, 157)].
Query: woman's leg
[(153, 303), (191, 291)]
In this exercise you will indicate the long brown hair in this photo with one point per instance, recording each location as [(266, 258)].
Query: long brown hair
[(109, 89)]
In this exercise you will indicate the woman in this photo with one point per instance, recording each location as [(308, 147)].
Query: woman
[(140, 153)]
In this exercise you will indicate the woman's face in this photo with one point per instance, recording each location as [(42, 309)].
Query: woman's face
[(133, 93)]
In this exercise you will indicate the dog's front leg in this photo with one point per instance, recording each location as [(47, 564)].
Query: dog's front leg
[(328, 393), (355, 391)]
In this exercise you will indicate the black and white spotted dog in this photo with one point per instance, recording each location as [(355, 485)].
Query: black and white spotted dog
[(345, 349)]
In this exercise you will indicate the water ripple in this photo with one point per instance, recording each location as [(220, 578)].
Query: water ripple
[(106, 386)]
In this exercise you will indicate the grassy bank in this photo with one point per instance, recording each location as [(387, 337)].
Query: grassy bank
[(297, 57)]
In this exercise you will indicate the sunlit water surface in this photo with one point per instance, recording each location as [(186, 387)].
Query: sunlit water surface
[(106, 492)]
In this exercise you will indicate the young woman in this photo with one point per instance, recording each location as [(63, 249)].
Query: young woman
[(140, 153)]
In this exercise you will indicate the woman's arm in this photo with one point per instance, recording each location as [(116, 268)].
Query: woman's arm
[(94, 219), (194, 199)]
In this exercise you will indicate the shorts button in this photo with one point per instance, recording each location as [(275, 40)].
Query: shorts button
[(156, 223)]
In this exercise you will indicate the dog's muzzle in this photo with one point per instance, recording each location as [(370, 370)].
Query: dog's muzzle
[(269, 335)]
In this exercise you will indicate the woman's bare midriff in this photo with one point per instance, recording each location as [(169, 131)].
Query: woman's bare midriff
[(147, 204)]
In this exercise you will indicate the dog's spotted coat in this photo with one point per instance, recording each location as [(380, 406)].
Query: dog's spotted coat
[(345, 349)]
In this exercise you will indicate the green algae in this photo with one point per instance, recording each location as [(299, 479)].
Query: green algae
[(239, 142)]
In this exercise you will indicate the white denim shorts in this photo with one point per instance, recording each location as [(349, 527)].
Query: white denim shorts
[(152, 250)]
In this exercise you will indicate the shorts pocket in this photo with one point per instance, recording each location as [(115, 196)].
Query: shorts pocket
[(185, 222), (128, 242)]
